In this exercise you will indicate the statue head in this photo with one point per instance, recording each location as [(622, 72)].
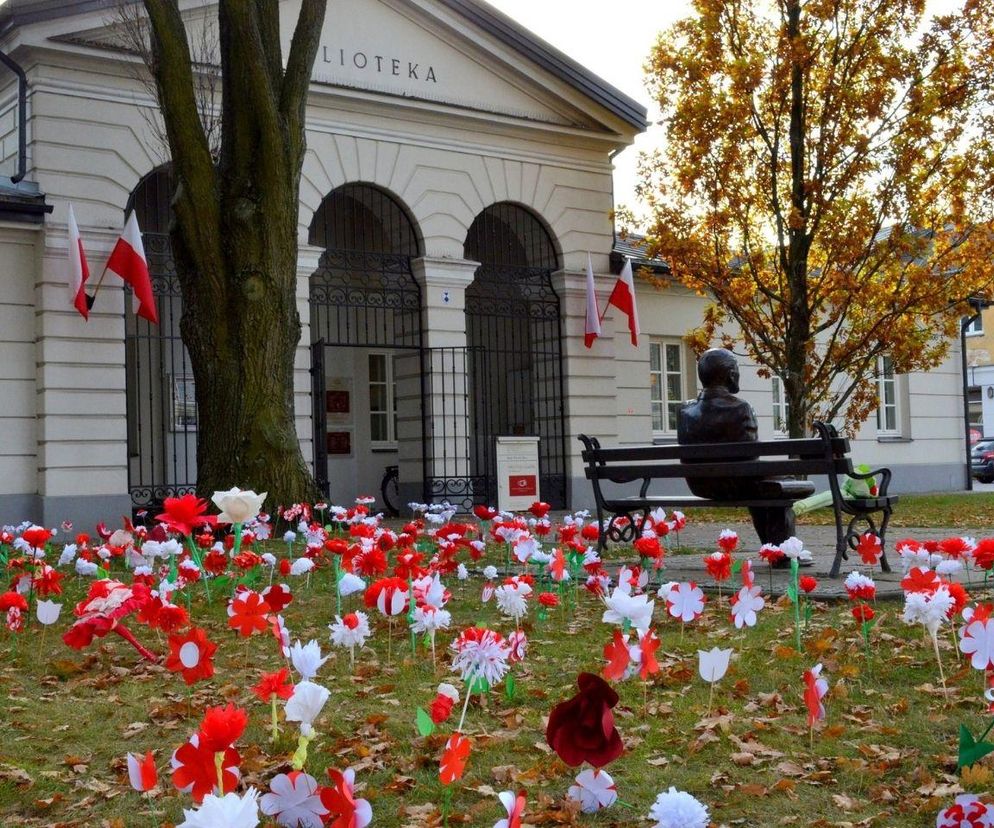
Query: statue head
[(718, 368)]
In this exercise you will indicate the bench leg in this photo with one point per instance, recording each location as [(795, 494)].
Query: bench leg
[(884, 563)]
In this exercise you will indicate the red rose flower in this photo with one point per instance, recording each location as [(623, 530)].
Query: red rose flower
[(582, 728)]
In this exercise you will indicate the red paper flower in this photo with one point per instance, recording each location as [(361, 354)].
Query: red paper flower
[(807, 583), (194, 769), (248, 613), (47, 581), (485, 512), (222, 727), (278, 596), (648, 644), (582, 728), (184, 514), (618, 657), (648, 547), (192, 655), (548, 599), (274, 684), (719, 565), (142, 772), (540, 509), (863, 613), (454, 759), (344, 810), (37, 536), (869, 548), (920, 579)]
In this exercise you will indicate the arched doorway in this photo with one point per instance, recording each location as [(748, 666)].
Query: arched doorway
[(161, 403), (366, 342), (515, 343)]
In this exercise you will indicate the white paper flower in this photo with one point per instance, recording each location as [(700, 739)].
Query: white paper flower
[(794, 548), (85, 567), (350, 631), (713, 664), (305, 705), (480, 653), (307, 659), (977, 641), (301, 566), (350, 584), (490, 572), (238, 506), (429, 619), (676, 809), (47, 612), (594, 790), (294, 801), (685, 601), (636, 609), (511, 601), (745, 605), (68, 554), (461, 572), (228, 811), (525, 548)]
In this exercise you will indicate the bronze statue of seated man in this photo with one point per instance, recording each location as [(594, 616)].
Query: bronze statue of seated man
[(718, 416)]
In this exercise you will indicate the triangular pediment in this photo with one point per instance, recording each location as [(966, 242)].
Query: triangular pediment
[(433, 51)]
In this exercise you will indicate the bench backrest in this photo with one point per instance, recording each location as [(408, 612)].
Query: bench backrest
[(820, 455)]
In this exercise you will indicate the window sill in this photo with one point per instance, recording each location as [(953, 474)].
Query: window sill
[(384, 449), (894, 438), (664, 439)]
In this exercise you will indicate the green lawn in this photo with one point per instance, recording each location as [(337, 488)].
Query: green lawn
[(973, 509), (886, 755)]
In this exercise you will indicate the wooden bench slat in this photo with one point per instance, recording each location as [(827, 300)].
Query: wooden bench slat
[(801, 448), (668, 501), (735, 469)]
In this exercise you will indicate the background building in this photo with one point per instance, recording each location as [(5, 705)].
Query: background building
[(458, 173)]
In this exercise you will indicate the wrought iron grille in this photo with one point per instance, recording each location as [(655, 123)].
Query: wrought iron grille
[(514, 333), (161, 402)]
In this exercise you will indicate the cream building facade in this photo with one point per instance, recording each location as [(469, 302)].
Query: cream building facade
[(458, 173)]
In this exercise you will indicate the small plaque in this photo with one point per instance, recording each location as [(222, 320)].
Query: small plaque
[(339, 442)]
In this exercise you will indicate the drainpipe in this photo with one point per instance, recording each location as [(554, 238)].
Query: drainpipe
[(22, 115), (977, 305)]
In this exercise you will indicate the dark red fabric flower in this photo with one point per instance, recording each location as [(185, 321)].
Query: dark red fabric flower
[(582, 728)]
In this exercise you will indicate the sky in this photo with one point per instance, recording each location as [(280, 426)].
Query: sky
[(613, 40)]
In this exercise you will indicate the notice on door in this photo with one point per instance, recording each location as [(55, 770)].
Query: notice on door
[(517, 473)]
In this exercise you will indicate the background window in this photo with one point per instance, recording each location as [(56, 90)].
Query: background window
[(887, 414), (665, 384), (976, 326), (382, 401), (781, 408)]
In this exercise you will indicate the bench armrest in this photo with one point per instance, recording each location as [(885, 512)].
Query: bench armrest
[(644, 490), (885, 475)]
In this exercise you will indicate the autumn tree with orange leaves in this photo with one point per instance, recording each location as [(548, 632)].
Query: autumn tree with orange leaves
[(826, 182)]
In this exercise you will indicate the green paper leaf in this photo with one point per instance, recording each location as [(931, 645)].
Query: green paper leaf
[(736, 567), (221, 583), (808, 612), (425, 725), (792, 593), (510, 685), (477, 685), (970, 750)]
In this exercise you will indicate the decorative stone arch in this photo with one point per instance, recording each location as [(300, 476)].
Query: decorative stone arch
[(514, 334), (161, 402)]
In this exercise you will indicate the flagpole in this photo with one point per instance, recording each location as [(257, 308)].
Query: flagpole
[(90, 300)]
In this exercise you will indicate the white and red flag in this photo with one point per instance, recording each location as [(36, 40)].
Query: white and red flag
[(77, 269), (592, 327), (623, 298), (127, 260)]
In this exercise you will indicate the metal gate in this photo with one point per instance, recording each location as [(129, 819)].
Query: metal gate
[(161, 402), (515, 335)]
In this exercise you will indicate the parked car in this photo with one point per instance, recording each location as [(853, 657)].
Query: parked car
[(982, 461)]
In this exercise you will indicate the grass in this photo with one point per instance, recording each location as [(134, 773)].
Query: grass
[(885, 756), (967, 509)]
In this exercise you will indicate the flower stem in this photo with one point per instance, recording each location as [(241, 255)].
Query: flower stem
[(276, 729)]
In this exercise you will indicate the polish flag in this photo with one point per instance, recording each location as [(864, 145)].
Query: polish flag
[(592, 327), (127, 260), (623, 298), (78, 270)]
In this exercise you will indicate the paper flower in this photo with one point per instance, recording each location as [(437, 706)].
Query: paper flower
[(301, 566), (511, 601), (388, 595), (685, 602), (307, 659), (967, 812), (793, 548), (454, 759), (294, 799), (274, 684), (278, 596), (142, 772), (594, 789), (350, 631), (102, 611), (194, 769), (47, 612), (622, 608), (429, 619), (192, 655), (582, 729), (349, 584), (713, 664), (745, 604), (618, 657), (977, 638), (221, 727), (238, 506), (184, 514), (648, 644), (479, 653), (228, 811), (446, 697), (248, 613), (869, 548), (515, 807), (815, 688), (344, 810), (677, 809), (719, 565), (728, 540), (861, 587), (305, 705)]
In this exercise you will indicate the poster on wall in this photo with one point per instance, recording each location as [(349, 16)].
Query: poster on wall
[(338, 400), (183, 410)]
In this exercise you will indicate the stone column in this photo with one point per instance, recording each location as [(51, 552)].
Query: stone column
[(307, 262), (590, 381), (436, 445)]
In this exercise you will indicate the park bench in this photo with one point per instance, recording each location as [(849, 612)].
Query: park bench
[(825, 454)]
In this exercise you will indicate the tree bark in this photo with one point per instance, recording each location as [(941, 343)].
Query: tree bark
[(234, 241)]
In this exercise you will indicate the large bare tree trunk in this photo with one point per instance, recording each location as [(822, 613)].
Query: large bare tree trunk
[(235, 238)]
